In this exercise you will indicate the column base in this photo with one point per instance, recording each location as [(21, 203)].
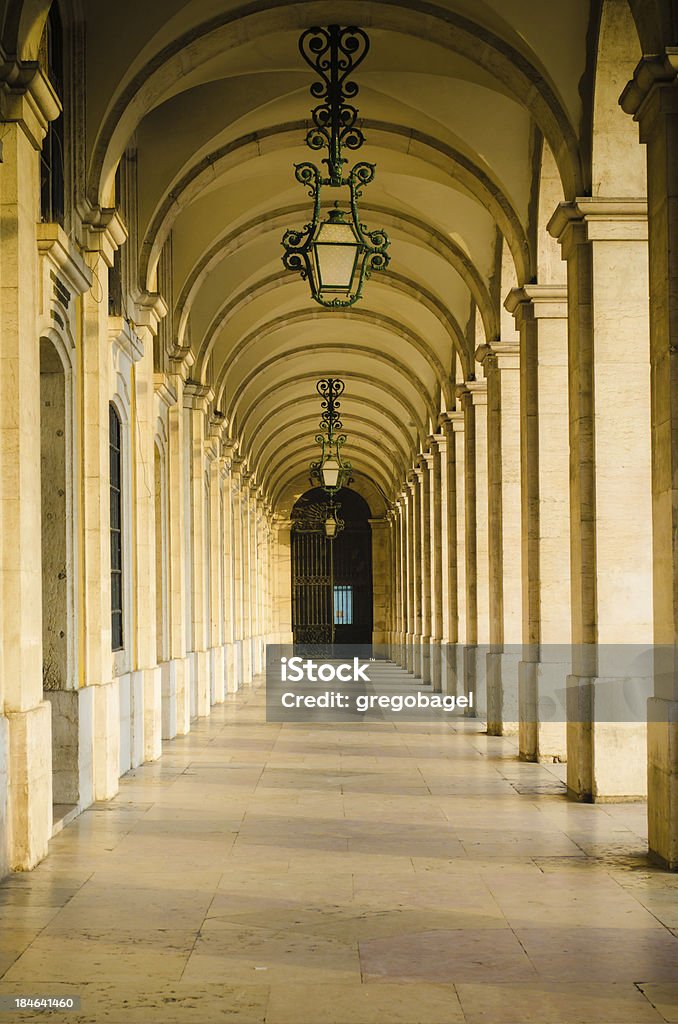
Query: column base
[(475, 680), (131, 707), (72, 746), (662, 771), (202, 684), (168, 690), (217, 674), (502, 692), (246, 662), (606, 760), (106, 746), (436, 658), (538, 684), (152, 731), (229, 668), (425, 660), (30, 785), (182, 667), (452, 668), (409, 653)]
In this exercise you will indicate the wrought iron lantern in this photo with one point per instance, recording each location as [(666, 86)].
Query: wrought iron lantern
[(335, 254), (333, 524), (331, 471)]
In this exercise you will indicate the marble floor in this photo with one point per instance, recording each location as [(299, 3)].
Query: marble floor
[(354, 874)]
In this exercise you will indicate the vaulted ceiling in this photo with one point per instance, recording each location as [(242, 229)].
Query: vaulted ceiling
[(213, 97)]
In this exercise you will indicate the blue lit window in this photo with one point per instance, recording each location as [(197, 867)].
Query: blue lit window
[(343, 606)]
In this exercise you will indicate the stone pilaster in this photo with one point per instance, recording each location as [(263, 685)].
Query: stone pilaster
[(652, 98), (540, 312), (473, 398), (424, 467), (176, 684), (438, 446), (605, 244), (196, 400), (453, 551), (415, 482), (410, 520), (501, 364), (382, 584)]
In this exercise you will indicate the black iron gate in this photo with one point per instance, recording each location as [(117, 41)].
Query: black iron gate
[(331, 579)]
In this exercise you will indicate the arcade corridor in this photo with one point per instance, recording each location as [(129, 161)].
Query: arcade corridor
[(351, 876)]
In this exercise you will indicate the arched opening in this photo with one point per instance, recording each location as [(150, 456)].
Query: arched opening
[(331, 578), (57, 606)]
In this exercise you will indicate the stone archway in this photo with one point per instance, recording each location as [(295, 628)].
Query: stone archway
[(331, 579)]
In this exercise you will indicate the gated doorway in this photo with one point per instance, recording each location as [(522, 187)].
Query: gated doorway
[(331, 579)]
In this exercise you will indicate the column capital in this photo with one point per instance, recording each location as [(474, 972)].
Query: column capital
[(104, 231), (165, 390), (150, 309), (437, 442), (473, 392), (31, 101), (452, 422), (537, 302), (588, 219), (500, 355), (424, 462), (197, 395), (652, 91)]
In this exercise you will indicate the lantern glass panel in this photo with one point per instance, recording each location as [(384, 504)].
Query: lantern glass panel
[(330, 472), (336, 255)]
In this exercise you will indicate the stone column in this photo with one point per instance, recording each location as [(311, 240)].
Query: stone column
[(501, 363), (652, 98), (381, 576), (424, 466), (150, 309), (196, 399), (411, 586), (282, 572), (25, 730), (177, 687), (246, 580), (605, 244), (415, 481), (232, 681), (455, 620), (473, 396), (438, 446), (540, 312), (238, 513), (401, 526), (216, 556)]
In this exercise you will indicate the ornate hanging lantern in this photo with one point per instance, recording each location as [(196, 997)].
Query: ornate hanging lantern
[(335, 254), (330, 471)]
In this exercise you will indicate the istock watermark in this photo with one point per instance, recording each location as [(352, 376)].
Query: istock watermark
[(350, 684), (296, 670)]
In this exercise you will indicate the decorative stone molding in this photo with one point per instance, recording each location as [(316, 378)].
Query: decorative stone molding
[(150, 309), (124, 339), (197, 396), (537, 302), (54, 243), (28, 98), (653, 77), (104, 231), (165, 392), (598, 219)]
